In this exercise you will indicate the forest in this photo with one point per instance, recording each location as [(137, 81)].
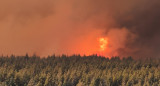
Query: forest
[(78, 70)]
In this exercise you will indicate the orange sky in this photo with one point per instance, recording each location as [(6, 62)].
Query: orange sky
[(55, 27), (47, 27)]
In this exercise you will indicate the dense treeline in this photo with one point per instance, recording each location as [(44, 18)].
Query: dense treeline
[(78, 71)]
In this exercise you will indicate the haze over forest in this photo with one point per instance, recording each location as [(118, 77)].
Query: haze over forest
[(46, 27)]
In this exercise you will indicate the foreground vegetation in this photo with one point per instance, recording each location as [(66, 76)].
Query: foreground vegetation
[(78, 71)]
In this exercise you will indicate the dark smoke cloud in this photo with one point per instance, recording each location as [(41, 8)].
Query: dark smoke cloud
[(143, 21)]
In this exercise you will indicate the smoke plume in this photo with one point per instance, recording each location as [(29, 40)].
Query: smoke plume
[(47, 27)]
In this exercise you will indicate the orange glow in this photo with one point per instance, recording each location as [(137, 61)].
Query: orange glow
[(103, 43)]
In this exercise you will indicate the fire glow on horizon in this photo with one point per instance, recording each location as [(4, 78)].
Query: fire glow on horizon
[(104, 27), (103, 45)]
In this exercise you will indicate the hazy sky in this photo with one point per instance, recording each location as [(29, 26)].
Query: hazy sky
[(47, 27)]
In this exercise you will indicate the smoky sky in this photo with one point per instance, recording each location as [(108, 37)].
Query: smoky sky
[(143, 21), (48, 27)]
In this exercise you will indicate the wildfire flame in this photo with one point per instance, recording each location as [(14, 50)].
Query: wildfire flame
[(103, 43)]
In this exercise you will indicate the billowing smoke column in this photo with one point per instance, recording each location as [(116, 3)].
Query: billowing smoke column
[(70, 27)]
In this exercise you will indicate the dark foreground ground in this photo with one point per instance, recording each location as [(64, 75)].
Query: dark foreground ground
[(78, 71)]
